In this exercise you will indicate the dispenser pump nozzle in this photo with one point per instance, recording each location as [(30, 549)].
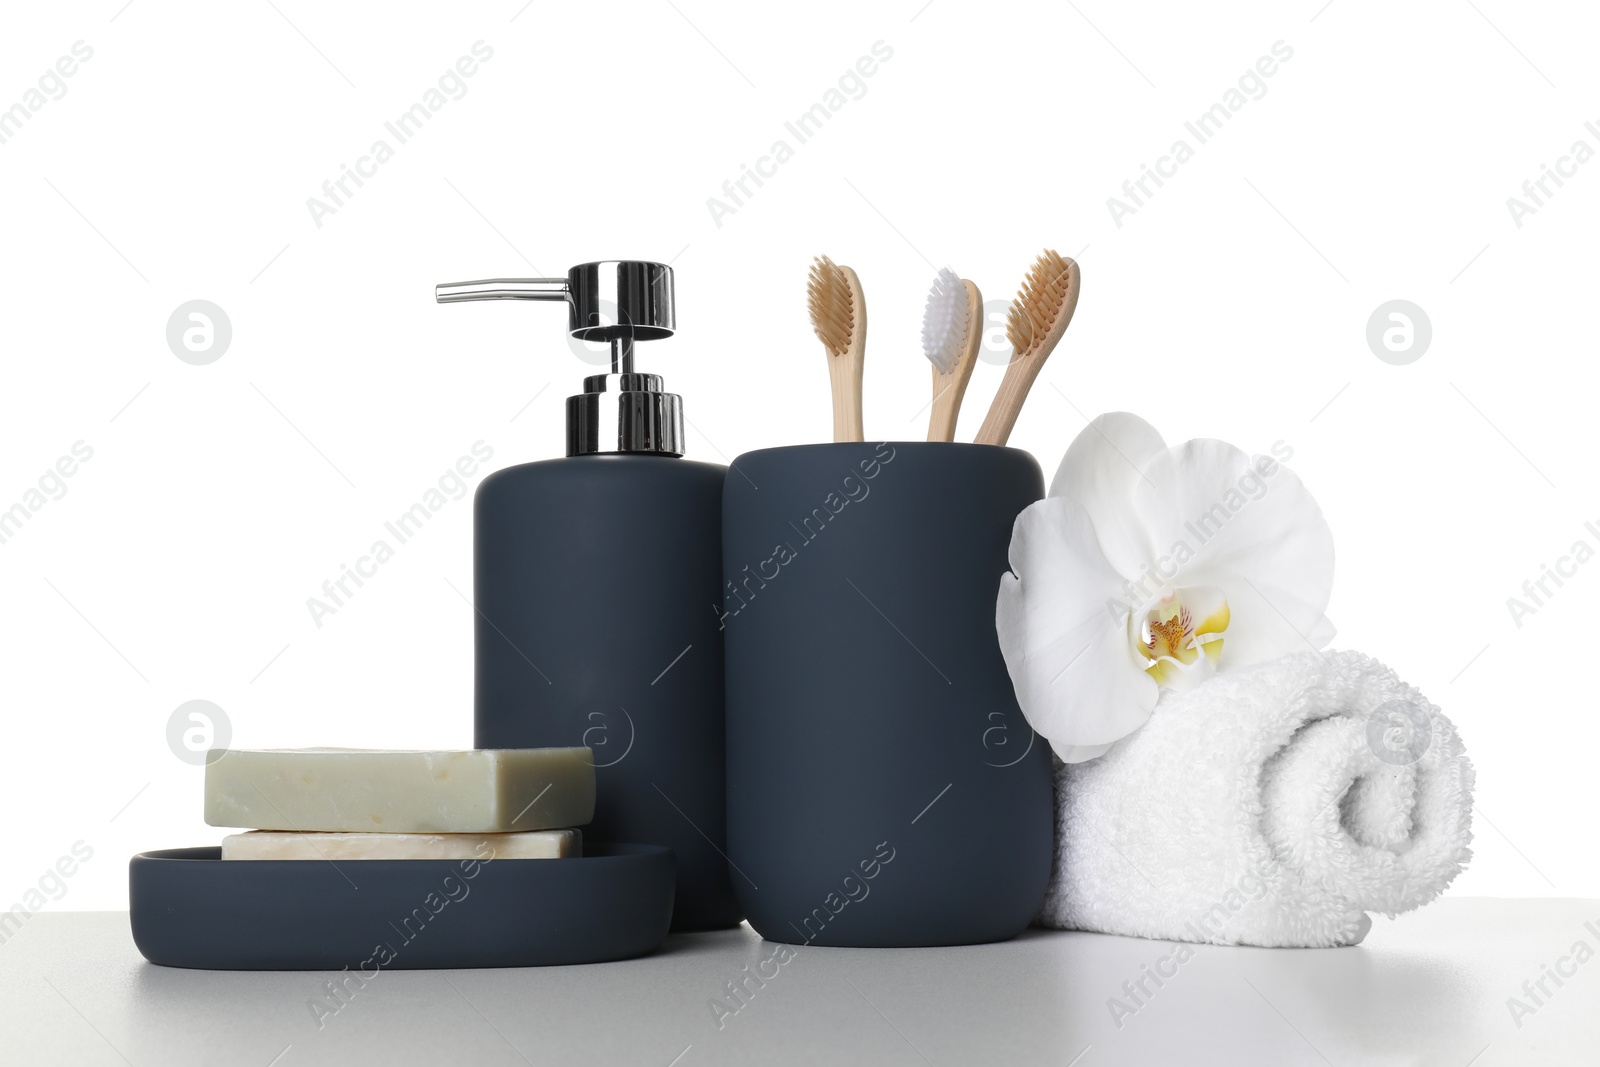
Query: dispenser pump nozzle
[(618, 301)]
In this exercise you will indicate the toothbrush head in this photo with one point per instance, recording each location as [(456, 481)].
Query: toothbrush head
[(944, 322), (831, 299), (1044, 305)]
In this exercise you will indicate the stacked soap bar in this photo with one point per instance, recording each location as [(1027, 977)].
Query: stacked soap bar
[(331, 803), (523, 845)]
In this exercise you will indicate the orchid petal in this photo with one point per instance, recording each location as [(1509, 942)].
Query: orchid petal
[(1269, 621), (1080, 753), (1100, 470), (1259, 536), (1064, 645)]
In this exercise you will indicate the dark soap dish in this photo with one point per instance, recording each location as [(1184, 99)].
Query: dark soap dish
[(190, 909)]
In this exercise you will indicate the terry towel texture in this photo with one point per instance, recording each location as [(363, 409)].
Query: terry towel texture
[(1274, 806)]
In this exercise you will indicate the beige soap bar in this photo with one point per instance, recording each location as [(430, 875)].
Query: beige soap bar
[(276, 845), (400, 792)]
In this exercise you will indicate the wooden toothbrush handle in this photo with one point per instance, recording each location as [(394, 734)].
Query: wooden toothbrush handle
[(946, 406), (844, 373), (1020, 375), (949, 389)]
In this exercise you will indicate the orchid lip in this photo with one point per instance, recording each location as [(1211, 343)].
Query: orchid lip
[(1177, 636)]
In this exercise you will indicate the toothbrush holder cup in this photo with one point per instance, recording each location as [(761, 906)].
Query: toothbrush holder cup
[(884, 788)]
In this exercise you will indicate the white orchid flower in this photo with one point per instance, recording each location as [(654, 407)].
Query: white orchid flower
[(1148, 567)]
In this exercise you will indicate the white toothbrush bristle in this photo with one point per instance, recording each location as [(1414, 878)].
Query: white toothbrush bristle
[(944, 322)]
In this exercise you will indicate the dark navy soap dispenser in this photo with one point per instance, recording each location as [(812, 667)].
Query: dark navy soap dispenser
[(596, 578)]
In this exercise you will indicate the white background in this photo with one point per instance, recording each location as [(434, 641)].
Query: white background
[(1233, 304)]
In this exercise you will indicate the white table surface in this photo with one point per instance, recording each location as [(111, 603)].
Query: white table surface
[(1427, 988)]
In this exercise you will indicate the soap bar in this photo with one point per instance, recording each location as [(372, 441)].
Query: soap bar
[(400, 792), (276, 845)]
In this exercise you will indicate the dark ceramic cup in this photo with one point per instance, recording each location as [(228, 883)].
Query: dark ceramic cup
[(883, 786)]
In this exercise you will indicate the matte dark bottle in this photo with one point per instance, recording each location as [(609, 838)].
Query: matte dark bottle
[(596, 578)]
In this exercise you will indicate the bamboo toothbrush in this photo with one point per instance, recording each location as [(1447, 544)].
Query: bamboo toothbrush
[(951, 330), (839, 315), (1039, 316)]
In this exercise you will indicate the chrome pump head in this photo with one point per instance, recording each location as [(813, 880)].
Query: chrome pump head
[(618, 301)]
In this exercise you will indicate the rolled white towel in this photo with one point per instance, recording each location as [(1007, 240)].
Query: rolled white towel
[(1273, 806)]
